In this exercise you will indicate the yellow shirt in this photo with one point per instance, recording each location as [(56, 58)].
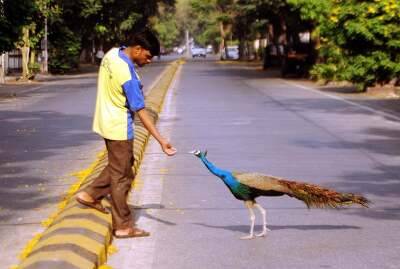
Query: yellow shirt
[(119, 95)]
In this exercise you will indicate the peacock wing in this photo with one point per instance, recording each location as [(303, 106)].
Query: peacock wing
[(260, 181)]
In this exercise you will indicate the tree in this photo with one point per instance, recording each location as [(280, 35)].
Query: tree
[(209, 21), (11, 21), (225, 20), (204, 25), (166, 26), (96, 23), (359, 41), (74, 26)]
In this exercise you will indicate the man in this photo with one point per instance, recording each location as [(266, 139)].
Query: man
[(119, 98), (99, 55)]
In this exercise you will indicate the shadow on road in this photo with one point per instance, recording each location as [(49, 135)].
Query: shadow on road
[(141, 211), (246, 228), (34, 137)]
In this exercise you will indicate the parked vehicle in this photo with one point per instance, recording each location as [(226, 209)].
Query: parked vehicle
[(199, 52), (209, 49), (180, 50), (232, 53)]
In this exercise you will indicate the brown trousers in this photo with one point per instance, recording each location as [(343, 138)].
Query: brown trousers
[(116, 180)]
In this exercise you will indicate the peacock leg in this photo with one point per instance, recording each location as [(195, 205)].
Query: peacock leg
[(250, 205), (264, 216)]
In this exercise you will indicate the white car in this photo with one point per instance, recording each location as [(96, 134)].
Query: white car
[(209, 49), (199, 52), (233, 53), (180, 50)]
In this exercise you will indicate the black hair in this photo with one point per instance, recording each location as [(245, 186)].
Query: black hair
[(146, 39)]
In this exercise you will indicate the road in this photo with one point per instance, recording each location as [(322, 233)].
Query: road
[(251, 122), (45, 136)]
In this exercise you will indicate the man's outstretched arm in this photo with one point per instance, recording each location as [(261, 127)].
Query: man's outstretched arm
[(148, 124)]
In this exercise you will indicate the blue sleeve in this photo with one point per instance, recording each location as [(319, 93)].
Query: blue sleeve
[(134, 94)]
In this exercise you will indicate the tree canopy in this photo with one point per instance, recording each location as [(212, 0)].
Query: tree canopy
[(11, 21), (360, 40)]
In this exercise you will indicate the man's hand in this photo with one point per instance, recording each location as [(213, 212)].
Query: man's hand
[(148, 124), (168, 148)]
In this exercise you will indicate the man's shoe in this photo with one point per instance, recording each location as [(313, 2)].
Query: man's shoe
[(133, 232), (95, 205)]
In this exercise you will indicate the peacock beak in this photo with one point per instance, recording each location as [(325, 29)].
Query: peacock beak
[(196, 152)]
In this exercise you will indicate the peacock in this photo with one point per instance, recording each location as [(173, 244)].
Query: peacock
[(248, 186)]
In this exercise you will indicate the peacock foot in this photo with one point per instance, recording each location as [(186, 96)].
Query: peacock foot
[(247, 237), (263, 233)]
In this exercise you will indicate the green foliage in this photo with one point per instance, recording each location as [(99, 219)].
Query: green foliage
[(11, 21), (359, 39), (204, 21), (106, 22), (314, 10), (34, 67), (64, 51), (117, 18), (166, 26), (73, 25)]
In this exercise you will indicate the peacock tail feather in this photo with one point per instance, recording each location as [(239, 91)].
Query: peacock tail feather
[(319, 197)]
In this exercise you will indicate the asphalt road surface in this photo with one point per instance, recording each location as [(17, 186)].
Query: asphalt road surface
[(251, 122)]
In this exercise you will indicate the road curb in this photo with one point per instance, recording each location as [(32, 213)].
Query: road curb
[(78, 237)]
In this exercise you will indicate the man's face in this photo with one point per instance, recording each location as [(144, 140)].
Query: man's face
[(141, 56)]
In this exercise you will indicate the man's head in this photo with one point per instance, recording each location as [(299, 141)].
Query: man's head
[(142, 46)]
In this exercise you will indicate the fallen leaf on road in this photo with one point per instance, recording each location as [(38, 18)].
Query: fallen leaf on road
[(112, 249), (163, 170)]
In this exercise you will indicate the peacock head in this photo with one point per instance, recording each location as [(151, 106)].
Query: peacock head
[(199, 153)]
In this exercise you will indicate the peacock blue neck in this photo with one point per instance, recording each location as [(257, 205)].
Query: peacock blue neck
[(226, 176)]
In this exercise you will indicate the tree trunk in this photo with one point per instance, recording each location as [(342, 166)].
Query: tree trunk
[(46, 49), (32, 59), (283, 35), (316, 45), (249, 50), (270, 42), (2, 69), (25, 54), (222, 33), (224, 30), (93, 52), (242, 40)]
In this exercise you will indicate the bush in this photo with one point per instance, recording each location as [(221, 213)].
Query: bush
[(360, 40), (34, 67), (64, 52)]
